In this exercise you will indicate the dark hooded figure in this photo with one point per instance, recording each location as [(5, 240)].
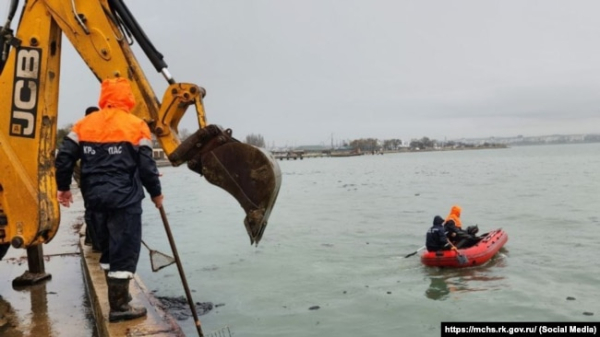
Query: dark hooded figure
[(452, 232), (90, 234), (436, 235), (461, 238)]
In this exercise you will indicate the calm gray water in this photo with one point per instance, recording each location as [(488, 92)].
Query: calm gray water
[(342, 226)]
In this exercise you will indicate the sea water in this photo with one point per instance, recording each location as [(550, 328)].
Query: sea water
[(331, 262)]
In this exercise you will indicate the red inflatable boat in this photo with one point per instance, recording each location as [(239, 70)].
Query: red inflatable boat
[(476, 255)]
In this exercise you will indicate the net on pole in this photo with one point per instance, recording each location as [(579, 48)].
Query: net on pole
[(158, 260)]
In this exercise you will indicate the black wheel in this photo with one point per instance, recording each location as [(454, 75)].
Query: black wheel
[(3, 250)]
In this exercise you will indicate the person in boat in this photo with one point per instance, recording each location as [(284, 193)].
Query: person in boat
[(436, 236), (461, 238), (455, 216), (452, 231), (457, 235)]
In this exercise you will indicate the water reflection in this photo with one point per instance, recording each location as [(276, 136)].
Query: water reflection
[(8, 319), (438, 289), (445, 282), (39, 323)]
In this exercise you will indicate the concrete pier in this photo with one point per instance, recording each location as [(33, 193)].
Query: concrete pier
[(157, 322), (73, 302)]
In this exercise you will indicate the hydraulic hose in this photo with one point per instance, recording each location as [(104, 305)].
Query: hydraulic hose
[(12, 10), (11, 14), (155, 57), (4, 31)]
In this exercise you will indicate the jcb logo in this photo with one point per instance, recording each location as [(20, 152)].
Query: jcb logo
[(25, 92)]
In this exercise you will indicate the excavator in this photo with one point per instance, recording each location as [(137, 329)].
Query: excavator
[(102, 32)]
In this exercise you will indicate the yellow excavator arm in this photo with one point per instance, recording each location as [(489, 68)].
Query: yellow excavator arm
[(102, 31)]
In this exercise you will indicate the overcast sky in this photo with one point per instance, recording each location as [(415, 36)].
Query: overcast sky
[(304, 72)]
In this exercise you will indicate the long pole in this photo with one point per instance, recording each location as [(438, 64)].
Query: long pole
[(181, 273)]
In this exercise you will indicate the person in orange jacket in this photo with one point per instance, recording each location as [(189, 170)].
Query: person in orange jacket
[(453, 225), (455, 216), (115, 148), (458, 236)]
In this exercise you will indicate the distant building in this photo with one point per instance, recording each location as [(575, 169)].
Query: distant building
[(158, 154)]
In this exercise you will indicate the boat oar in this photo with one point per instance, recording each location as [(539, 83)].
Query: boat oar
[(415, 252), (181, 273), (459, 257)]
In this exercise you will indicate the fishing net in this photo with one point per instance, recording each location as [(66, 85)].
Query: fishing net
[(158, 260)]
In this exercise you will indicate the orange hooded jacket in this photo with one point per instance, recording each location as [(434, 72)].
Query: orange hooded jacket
[(455, 215), (115, 149)]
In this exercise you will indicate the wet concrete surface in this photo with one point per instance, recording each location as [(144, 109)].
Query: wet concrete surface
[(73, 301), (56, 307), (157, 323)]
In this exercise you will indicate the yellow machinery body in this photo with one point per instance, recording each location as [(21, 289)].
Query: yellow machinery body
[(30, 78)]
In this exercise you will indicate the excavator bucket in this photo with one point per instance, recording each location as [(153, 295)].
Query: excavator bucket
[(250, 174)]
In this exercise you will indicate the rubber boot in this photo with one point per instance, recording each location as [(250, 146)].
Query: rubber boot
[(129, 298), (120, 310)]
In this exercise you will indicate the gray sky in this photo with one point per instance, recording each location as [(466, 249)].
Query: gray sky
[(302, 72)]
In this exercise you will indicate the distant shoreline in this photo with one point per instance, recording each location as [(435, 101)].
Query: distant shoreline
[(301, 154), (499, 146)]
